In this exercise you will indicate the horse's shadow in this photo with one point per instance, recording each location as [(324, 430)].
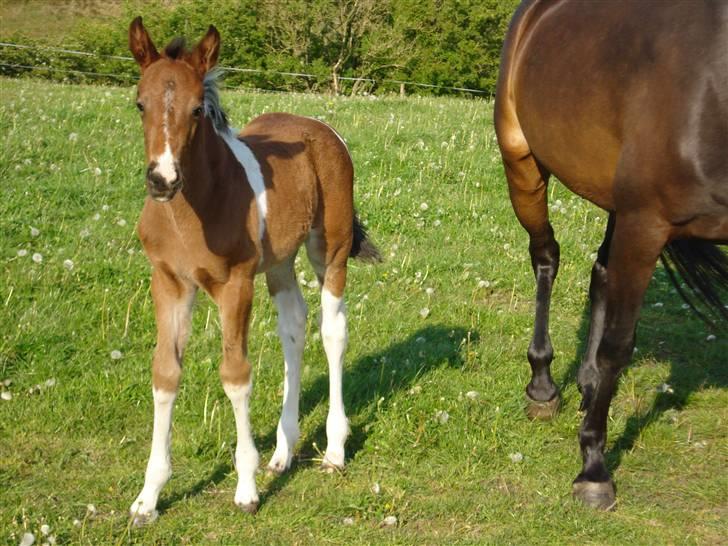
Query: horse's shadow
[(686, 376), (370, 382)]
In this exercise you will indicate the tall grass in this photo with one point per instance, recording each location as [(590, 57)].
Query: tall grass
[(435, 368)]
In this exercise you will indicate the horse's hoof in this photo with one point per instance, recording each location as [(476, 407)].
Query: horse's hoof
[(599, 495), (329, 467), (142, 519), (542, 411), (250, 507)]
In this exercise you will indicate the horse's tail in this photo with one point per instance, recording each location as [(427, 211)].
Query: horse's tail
[(703, 267), (361, 247)]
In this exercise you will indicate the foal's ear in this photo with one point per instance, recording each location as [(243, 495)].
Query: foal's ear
[(141, 45), (204, 57)]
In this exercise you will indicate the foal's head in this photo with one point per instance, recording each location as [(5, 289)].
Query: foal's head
[(170, 98)]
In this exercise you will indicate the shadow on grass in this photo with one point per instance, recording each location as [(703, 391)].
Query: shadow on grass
[(369, 383), (688, 372)]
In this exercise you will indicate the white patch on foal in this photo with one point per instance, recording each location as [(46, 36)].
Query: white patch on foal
[(159, 467), (334, 335), (246, 456), (250, 165), (291, 330), (166, 162)]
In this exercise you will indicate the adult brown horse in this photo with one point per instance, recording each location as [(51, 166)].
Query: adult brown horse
[(627, 104), (223, 207)]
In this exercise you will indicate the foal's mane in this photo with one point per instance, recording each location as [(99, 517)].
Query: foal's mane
[(213, 110)]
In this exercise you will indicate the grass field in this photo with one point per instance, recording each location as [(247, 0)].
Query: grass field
[(435, 371)]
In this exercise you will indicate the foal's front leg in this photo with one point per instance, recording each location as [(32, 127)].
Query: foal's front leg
[(235, 372), (173, 299)]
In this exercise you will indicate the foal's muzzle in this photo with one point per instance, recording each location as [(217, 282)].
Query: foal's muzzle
[(159, 187)]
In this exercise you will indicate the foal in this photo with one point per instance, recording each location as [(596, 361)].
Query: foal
[(222, 208)]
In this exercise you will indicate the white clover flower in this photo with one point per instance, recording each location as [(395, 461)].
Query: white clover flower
[(28, 539), (348, 521), (77, 523), (711, 337), (376, 489), (91, 509), (37, 257), (105, 208), (390, 521), (121, 222), (424, 312), (6, 395), (96, 217), (84, 233), (516, 457), (424, 206), (68, 264), (442, 416), (506, 246), (22, 252), (34, 232), (429, 291), (48, 384), (483, 284), (417, 389), (116, 354), (45, 529), (472, 395), (73, 137), (97, 171)]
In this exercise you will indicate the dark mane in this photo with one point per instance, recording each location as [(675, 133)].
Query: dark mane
[(213, 110), (175, 49)]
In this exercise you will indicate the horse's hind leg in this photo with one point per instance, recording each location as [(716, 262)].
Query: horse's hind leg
[(635, 247), (329, 258), (588, 375), (292, 312), (527, 184)]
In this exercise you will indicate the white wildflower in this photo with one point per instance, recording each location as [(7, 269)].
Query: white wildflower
[(121, 222), (429, 291), (48, 384), (84, 233), (657, 304), (28, 539), (73, 137), (424, 312), (96, 217), (91, 509), (685, 306), (483, 284), (442, 416), (348, 521), (665, 388), (97, 171), (472, 394), (516, 457), (424, 206), (77, 523), (6, 395), (37, 257), (115, 355), (34, 231), (390, 521), (105, 208), (45, 529), (711, 337), (507, 246), (68, 264), (22, 252), (417, 389), (376, 489)]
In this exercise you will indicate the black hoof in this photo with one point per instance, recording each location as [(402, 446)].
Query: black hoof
[(598, 495), (542, 411), (250, 508)]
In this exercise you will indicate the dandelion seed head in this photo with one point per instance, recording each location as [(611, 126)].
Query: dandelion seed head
[(27, 540), (34, 232), (37, 257), (442, 416), (45, 529), (390, 521), (424, 206), (116, 354), (424, 312), (68, 264), (429, 291), (516, 457), (472, 395), (22, 252), (348, 521), (121, 222), (73, 137), (97, 171), (6, 395)]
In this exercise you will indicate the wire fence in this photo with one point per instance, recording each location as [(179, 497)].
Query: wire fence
[(129, 77)]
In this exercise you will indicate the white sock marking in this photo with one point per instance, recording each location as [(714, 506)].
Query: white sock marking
[(291, 330), (334, 335), (253, 173), (246, 456), (159, 467)]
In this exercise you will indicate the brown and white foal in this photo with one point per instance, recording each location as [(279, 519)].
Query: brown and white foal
[(223, 207)]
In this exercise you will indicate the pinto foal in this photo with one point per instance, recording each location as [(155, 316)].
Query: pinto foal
[(223, 207)]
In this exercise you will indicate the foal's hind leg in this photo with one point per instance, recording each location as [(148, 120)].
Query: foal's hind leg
[(527, 184), (588, 376), (173, 300), (634, 249), (292, 312), (330, 267)]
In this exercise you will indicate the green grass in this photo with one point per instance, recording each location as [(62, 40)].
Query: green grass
[(430, 186)]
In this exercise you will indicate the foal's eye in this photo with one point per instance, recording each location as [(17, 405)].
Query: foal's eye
[(140, 106), (197, 111)]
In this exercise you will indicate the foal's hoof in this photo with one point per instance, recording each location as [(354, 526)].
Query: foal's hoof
[(329, 468), (599, 495), (250, 507), (144, 518), (542, 411)]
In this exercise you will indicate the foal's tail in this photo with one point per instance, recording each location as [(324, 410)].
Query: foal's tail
[(361, 247), (703, 267)]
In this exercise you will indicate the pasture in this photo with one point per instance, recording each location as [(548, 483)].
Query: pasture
[(440, 450)]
